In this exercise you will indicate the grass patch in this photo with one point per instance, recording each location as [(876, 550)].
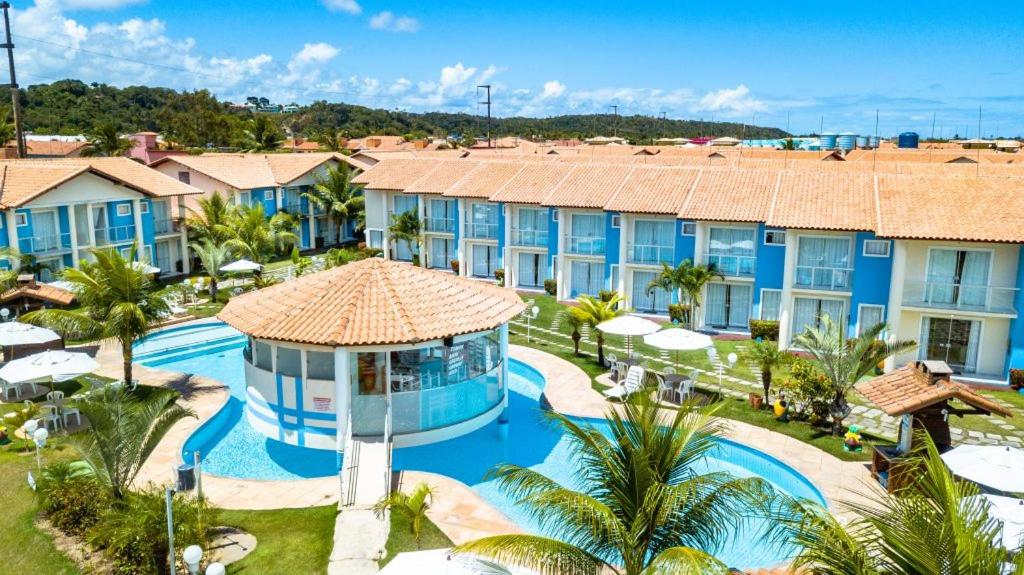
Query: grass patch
[(400, 538), (289, 541)]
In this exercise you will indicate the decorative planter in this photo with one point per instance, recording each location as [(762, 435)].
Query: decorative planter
[(755, 399)]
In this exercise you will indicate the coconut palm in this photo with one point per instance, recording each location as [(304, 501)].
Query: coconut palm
[(105, 140), (643, 506), (262, 134), (767, 356), (575, 321), (123, 431), (329, 139), (338, 197), (693, 282), (938, 524), (407, 227), (213, 257), (843, 361), (116, 299), (412, 505), (593, 311), (212, 220), (254, 238)]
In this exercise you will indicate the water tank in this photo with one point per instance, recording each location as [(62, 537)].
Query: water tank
[(846, 141), (908, 140), (862, 141), (828, 141), (874, 141)]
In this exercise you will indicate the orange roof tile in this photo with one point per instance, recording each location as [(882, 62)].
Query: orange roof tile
[(730, 195), (445, 175), (250, 171), (370, 302), (394, 174), (484, 181), (654, 190), (821, 201), (908, 389), (532, 183), (588, 186), (39, 291)]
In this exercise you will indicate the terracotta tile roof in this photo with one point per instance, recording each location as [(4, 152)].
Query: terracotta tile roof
[(250, 171), (908, 389), (286, 168), (52, 148), (439, 180), (950, 208), (731, 195), (654, 190), (21, 181), (396, 174), (484, 181), (588, 186), (369, 302), (39, 291), (822, 201), (532, 183)]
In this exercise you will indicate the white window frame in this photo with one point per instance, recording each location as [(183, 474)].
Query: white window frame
[(991, 259), (20, 219), (760, 307), (614, 270), (125, 251), (268, 195), (683, 232), (383, 238), (616, 221), (776, 233), (554, 215), (860, 310), (143, 207), (127, 210), (888, 248)]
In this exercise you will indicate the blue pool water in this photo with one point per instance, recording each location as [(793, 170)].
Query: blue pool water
[(230, 447)]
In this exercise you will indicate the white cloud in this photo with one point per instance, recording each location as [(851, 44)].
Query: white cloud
[(349, 6), (387, 20), (731, 102), (305, 65), (400, 86), (99, 4), (552, 89)]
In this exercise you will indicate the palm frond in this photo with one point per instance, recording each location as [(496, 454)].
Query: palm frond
[(542, 555)]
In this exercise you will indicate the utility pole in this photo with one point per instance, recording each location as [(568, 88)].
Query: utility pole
[(488, 103), (615, 126), (19, 134)]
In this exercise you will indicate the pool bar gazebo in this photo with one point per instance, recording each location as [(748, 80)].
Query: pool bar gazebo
[(374, 348)]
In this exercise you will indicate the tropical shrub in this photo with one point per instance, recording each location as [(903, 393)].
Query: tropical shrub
[(764, 329), (592, 312), (551, 287), (807, 391), (1017, 378), (72, 500), (499, 276), (679, 313), (413, 505), (606, 295), (767, 356), (455, 265)]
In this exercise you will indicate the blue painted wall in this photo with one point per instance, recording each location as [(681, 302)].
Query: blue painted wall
[(269, 206), (116, 221), (612, 239), (501, 235), (871, 279), (1015, 359), (148, 231), (771, 265), (685, 249), (552, 240)]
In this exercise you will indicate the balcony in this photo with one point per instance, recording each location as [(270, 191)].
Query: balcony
[(37, 245), (114, 235), (823, 278), (293, 208), (439, 225), (959, 297), (649, 254), (482, 231), (733, 266), (586, 245), (166, 226), (530, 238)]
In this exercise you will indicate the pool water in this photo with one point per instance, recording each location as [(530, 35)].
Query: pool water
[(230, 447)]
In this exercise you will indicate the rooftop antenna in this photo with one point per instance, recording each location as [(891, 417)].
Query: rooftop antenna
[(486, 102), (933, 126), (615, 125), (977, 169), (874, 153), (8, 45)]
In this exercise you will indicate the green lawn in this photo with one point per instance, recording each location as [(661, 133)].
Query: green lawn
[(400, 538), (288, 541)]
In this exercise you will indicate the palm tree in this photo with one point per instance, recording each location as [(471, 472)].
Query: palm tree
[(575, 321), (670, 278), (212, 220), (105, 140), (213, 257), (413, 506), (767, 356), (843, 361), (788, 144), (253, 237), (698, 276), (335, 194), (124, 430), (262, 134), (329, 139), (938, 524), (592, 312), (644, 506), (406, 226), (117, 299)]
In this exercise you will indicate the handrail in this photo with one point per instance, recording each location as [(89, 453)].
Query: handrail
[(732, 265), (351, 459), (388, 429), (834, 278)]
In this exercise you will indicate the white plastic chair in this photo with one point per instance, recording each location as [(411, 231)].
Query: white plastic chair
[(56, 398), (8, 388), (669, 370), (633, 383), (50, 414), (663, 386), (619, 369)]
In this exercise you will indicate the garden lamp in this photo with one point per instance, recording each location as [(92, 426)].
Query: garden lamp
[(215, 569), (39, 436), (192, 556)]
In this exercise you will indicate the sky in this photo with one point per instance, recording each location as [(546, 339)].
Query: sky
[(797, 65)]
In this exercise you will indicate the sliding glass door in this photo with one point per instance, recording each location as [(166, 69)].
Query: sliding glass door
[(728, 306), (958, 276), (485, 260), (587, 278), (954, 341), (654, 302), (808, 313), (532, 270)]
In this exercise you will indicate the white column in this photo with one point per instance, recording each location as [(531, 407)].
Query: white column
[(91, 222), (503, 343), (140, 239), (12, 235), (73, 228), (894, 310), (626, 223), (564, 265), (186, 264), (507, 255), (279, 198), (312, 226), (786, 305), (700, 238), (464, 220), (342, 392)]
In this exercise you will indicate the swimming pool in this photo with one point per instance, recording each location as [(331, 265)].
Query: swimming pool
[(230, 447)]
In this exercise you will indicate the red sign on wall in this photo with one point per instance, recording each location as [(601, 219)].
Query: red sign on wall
[(321, 403)]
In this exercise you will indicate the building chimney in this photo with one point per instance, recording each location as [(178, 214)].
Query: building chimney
[(935, 370), (26, 280)]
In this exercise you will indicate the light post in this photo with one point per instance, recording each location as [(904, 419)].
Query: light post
[(38, 435), (193, 557), (534, 312)]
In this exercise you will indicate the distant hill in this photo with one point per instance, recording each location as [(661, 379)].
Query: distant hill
[(199, 118)]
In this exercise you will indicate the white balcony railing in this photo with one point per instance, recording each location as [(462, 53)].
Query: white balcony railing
[(114, 235), (823, 278), (44, 244), (482, 231), (733, 266), (959, 296), (586, 245), (166, 226), (649, 254), (530, 238), (439, 225)]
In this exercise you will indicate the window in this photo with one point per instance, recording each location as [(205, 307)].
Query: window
[(807, 312), (20, 220), (771, 303), (869, 316), (143, 207), (288, 362), (268, 195), (731, 250), (124, 210), (554, 215), (615, 278), (125, 252), (774, 238), (320, 365), (376, 239), (876, 248), (616, 221), (689, 228), (264, 359), (184, 177), (648, 301), (728, 306)]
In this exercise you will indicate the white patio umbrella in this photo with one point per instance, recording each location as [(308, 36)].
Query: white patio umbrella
[(628, 326), (16, 333), (242, 265), (54, 365), (146, 268), (443, 562), (994, 466), (1010, 511), (677, 339)]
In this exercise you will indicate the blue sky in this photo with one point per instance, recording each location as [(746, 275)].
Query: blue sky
[(766, 62)]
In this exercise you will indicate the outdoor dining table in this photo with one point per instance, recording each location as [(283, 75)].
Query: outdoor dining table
[(629, 362), (676, 380)]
